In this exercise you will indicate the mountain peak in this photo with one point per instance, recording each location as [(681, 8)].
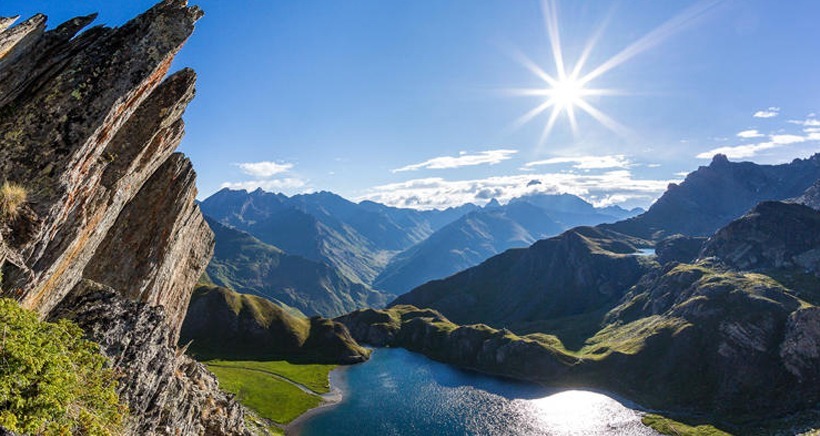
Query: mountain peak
[(493, 204), (719, 159)]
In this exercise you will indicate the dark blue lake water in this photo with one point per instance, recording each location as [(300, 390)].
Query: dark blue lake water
[(402, 393)]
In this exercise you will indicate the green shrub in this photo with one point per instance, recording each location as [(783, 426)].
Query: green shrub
[(52, 381), (12, 197)]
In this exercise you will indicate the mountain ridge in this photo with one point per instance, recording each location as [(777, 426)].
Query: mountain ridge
[(714, 195)]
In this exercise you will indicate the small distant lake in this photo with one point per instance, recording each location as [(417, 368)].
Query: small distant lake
[(645, 252), (402, 393)]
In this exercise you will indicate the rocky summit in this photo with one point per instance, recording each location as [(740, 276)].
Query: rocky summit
[(110, 235)]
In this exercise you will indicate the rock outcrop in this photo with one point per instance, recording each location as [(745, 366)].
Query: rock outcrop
[(166, 391), (811, 197), (111, 236), (773, 235), (679, 248)]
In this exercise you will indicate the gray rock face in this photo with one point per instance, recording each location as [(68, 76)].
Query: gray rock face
[(166, 391), (163, 243), (800, 350), (64, 104), (773, 235), (714, 195), (111, 236), (811, 197)]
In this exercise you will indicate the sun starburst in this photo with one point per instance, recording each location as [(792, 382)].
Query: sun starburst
[(568, 90)]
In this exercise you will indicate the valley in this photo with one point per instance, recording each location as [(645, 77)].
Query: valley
[(499, 299)]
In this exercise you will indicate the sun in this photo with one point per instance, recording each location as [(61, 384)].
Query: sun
[(567, 93), (568, 90)]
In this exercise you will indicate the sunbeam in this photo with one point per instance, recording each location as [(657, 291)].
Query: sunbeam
[(565, 91)]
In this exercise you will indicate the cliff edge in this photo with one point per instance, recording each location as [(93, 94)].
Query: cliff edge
[(110, 235)]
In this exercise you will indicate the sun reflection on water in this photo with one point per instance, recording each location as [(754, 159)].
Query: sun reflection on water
[(578, 412)]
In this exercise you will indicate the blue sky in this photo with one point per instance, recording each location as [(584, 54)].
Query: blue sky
[(412, 103)]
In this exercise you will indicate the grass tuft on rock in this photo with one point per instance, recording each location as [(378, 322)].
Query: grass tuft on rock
[(12, 198)]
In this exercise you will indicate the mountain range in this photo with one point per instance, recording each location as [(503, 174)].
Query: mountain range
[(586, 268), (248, 265), (372, 245), (731, 335)]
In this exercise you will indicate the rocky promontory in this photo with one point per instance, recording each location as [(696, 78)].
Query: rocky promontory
[(109, 234)]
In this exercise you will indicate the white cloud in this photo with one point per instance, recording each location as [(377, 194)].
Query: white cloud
[(771, 112), (275, 185), (750, 134), (749, 150), (264, 169), (586, 162), (464, 159), (787, 139), (808, 122), (437, 193)]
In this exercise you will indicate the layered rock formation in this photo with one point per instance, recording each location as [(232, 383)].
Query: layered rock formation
[(89, 126), (773, 235)]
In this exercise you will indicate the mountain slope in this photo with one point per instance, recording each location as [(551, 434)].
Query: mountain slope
[(356, 239), (466, 242), (479, 235), (714, 195), (781, 240), (705, 339), (227, 325), (582, 270), (250, 266), (773, 235)]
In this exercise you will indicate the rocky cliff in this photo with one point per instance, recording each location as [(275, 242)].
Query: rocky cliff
[(110, 235), (773, 235)]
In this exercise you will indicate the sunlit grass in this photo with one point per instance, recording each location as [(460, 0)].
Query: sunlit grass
[(313, 376), (669, 427), (270, 397)]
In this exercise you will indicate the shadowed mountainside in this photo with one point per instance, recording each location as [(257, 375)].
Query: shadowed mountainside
[(223, 324), (244, 263), (714, 195), (582, 270), (707, 338)]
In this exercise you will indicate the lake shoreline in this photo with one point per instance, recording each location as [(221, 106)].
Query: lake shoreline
[(518, 406), (336, 395)]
